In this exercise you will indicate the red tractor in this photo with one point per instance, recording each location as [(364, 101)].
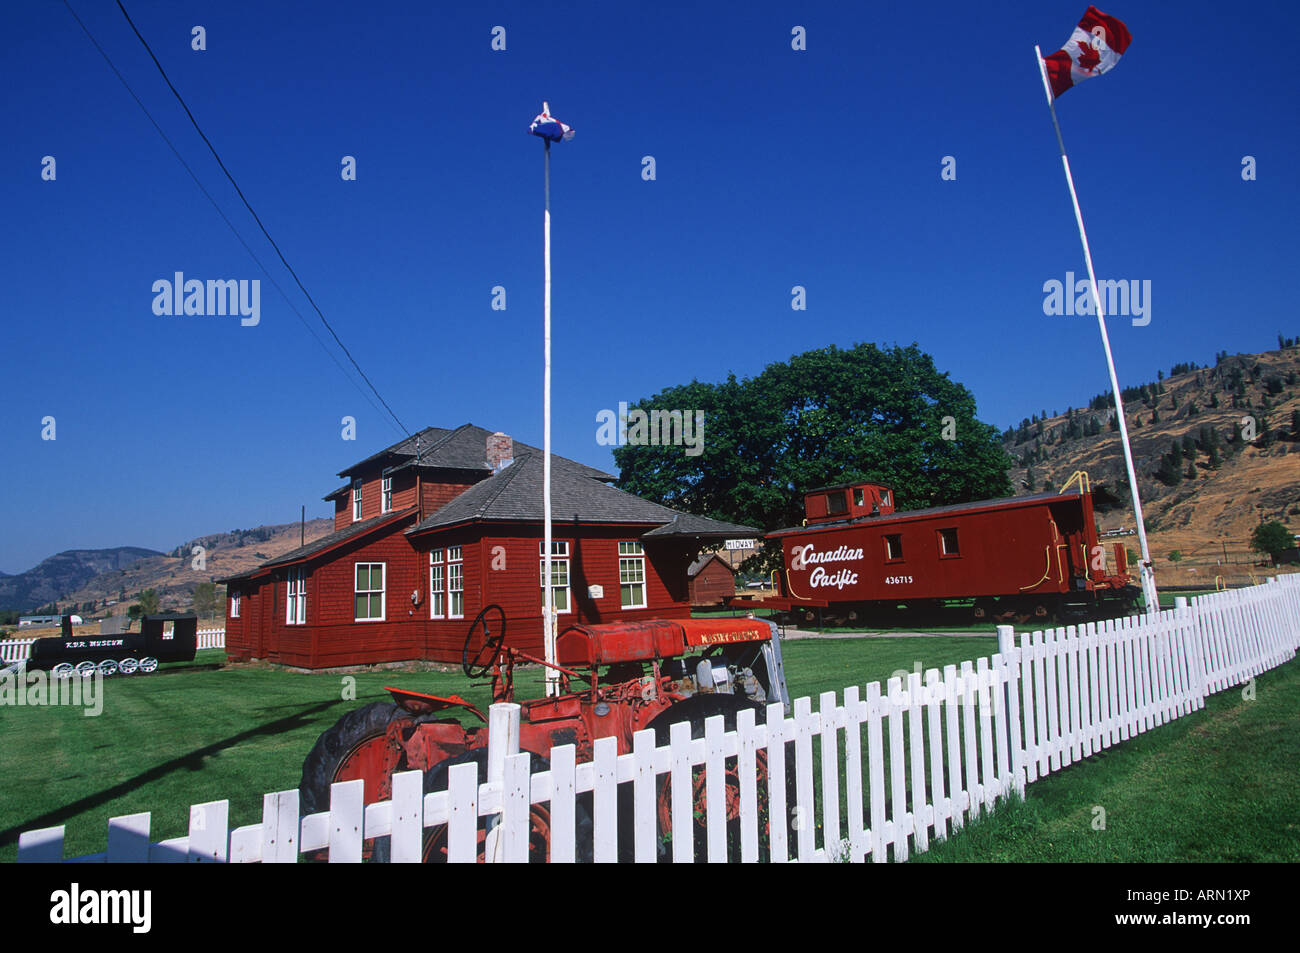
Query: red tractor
[(637, 675)]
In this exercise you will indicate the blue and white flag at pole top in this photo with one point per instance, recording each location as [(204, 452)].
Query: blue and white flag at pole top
[(548, 127)]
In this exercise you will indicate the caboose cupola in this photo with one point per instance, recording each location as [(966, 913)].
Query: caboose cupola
[(847, 501)]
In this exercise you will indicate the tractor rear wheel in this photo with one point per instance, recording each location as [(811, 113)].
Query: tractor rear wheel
[(695, 710), (539, 818), (355, 747)]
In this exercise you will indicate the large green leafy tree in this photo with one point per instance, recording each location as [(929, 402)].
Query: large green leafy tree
[(823, 417)]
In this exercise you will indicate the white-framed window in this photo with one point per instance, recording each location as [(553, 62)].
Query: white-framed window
[(370, 592), (559, 575), (455, 583), (386, 495), (234, 604), (631, 575), (356, 500), (948, 543), (437, 582), (295, 605)]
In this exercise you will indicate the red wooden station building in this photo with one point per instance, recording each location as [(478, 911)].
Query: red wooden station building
[(432, 529)]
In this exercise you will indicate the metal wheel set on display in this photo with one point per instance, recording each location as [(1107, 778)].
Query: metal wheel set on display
[(106, 668)]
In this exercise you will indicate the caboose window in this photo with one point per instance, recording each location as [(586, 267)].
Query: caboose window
[(835, 504), (356, 500), (884, 497), (857, 496), (948, 543), (893, 548)]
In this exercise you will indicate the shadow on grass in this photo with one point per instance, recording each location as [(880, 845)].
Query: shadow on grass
[(191, 761)]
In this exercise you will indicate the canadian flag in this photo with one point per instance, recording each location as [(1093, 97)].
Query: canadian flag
[(1093, 48)]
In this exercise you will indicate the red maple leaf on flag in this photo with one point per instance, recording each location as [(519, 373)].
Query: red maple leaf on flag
[(1088, 57)]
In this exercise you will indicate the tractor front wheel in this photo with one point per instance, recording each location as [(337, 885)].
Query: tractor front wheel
[(695, 710), (539, 816), (355, 747)]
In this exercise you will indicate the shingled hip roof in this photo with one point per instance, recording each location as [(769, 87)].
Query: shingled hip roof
[(515, 495), (464, 448)]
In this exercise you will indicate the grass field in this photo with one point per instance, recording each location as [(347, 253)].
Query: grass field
[(1218, 785), (1215, 785), (202, 732)]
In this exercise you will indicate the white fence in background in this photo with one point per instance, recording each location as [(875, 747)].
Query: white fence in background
[(17, 650), (898, 765)]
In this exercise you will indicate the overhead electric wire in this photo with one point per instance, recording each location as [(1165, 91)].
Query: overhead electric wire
[(180, 99), (224, 218)]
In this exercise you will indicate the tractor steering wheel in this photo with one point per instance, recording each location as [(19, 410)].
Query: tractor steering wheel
[(493, 635)]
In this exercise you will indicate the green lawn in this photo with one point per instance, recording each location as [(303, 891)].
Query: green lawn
[(1218, 785), (202, 732)]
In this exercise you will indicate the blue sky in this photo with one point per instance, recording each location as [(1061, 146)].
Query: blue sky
[(774, 167)]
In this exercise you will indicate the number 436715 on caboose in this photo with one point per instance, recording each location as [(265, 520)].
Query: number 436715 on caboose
[(1015, 560)]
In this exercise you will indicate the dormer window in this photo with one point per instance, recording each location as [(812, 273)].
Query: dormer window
[(835, 504), (356, 500), (386, 495)]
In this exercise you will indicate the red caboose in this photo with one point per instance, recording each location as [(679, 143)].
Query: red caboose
[(1010, 559)]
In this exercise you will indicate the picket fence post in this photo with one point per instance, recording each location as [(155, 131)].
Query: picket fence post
[(503, 741)]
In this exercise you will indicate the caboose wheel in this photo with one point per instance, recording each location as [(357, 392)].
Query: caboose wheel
[(486, 634), (62, 670), (85, 669), (128, 666), (107, 668), (148, 665)]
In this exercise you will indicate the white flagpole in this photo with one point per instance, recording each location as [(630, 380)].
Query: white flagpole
[(548, 605), (1145, 570)]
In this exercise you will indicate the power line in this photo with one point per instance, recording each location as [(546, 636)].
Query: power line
[(256, 217), (224, 218)]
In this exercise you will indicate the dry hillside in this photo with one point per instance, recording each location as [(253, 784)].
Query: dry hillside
[(174, 575), (1224, 485)]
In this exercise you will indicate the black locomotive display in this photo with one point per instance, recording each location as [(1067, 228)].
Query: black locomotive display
[(163, 637)]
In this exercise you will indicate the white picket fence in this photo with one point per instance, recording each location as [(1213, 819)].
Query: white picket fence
[(899, 765), (15, 650), (18, 650), (212, 638)]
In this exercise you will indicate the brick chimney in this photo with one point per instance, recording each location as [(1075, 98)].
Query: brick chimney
[(500, 451)]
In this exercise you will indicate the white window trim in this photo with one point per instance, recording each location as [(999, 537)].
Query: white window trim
[(556, 559), (383, 592), (437, 590), (386, 495), (295, 603), (633, 555), (234, 604), (455, 557), (356, 500)]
